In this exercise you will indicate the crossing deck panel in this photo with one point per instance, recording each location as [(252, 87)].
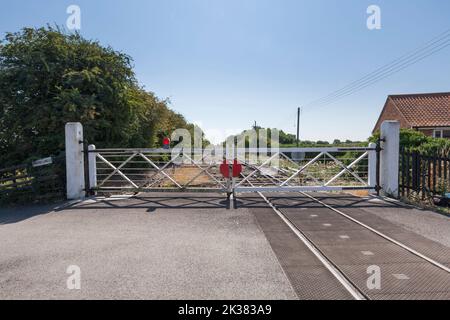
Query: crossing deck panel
[(353, 248)]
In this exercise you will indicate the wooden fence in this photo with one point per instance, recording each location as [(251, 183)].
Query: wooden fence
[(33, 182)]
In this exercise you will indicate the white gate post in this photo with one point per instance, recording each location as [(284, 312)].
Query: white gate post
[(74, 161), (372, 170), (92, 167), (390, 135)]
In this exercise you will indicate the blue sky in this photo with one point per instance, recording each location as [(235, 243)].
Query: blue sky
[(227, 63)]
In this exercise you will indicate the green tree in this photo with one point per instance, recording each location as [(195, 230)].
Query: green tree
[(337, 142), (49, 77), (287, 138)]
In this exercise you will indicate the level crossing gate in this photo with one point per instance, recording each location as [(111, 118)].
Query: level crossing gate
[(133, 170)]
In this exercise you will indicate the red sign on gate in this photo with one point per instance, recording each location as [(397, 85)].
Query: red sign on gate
[(237, 168), (225, 169)]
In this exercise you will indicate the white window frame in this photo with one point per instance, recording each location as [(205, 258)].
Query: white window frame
[(441, 132)]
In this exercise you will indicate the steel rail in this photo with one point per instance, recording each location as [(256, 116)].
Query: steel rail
[(386, 237), (329, 264), (355, 292)]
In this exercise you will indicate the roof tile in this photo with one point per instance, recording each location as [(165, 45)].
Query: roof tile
[(424, 110)]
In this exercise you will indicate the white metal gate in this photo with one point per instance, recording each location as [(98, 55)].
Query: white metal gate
[(145, 170), (271, 170), (310, 169)]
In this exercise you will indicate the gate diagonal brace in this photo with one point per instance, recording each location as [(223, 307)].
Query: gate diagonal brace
[(117, 170), (203, 170), (257, 169), (302, 169), (346, 169), (160, 170), (272, 179), (297, 165)]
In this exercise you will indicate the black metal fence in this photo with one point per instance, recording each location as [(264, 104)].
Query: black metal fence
[(34, 182), (423, 174)]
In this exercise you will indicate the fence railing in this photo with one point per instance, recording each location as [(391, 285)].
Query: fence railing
[(423, 174), (33, 182)]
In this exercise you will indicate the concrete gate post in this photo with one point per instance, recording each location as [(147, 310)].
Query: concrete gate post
[(389, 158), (74, 161)]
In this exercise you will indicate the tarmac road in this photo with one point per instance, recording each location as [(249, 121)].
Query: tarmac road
[(163, 247)]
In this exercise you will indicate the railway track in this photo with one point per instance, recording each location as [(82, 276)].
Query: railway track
[(349, 280)]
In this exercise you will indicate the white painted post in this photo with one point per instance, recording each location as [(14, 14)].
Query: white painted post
[(372, 169), (92, 167), (74, 161), (390, 133)]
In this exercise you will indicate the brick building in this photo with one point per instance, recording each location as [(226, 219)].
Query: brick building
[(428, 113)]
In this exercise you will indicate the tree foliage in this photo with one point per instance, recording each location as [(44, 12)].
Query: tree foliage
[(49, 77)]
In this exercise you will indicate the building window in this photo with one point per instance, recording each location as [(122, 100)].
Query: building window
[(437, 133), (441, 133), (446, 134)]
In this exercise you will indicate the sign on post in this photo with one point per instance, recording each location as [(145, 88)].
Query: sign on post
[(42, 162)]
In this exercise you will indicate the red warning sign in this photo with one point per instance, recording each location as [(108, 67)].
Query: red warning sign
[(237, 168), (225, 169)]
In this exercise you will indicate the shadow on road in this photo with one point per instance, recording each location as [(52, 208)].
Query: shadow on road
[(14, 214), (295, 200), (152, 203)]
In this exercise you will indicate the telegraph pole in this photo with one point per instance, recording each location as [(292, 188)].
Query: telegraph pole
[(298, 126)]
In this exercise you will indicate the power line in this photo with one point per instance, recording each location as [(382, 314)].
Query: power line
[(389, 65), (391, 71), (381, 77), (436, 44)]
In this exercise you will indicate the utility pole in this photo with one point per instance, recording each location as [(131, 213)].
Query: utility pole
[(298, 126)]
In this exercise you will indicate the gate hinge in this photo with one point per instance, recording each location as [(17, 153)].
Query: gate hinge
[(378, 147)]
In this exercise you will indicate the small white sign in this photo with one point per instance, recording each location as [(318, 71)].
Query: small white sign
[(42, 162)]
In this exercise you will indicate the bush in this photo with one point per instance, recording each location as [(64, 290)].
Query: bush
[(415, 141)]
